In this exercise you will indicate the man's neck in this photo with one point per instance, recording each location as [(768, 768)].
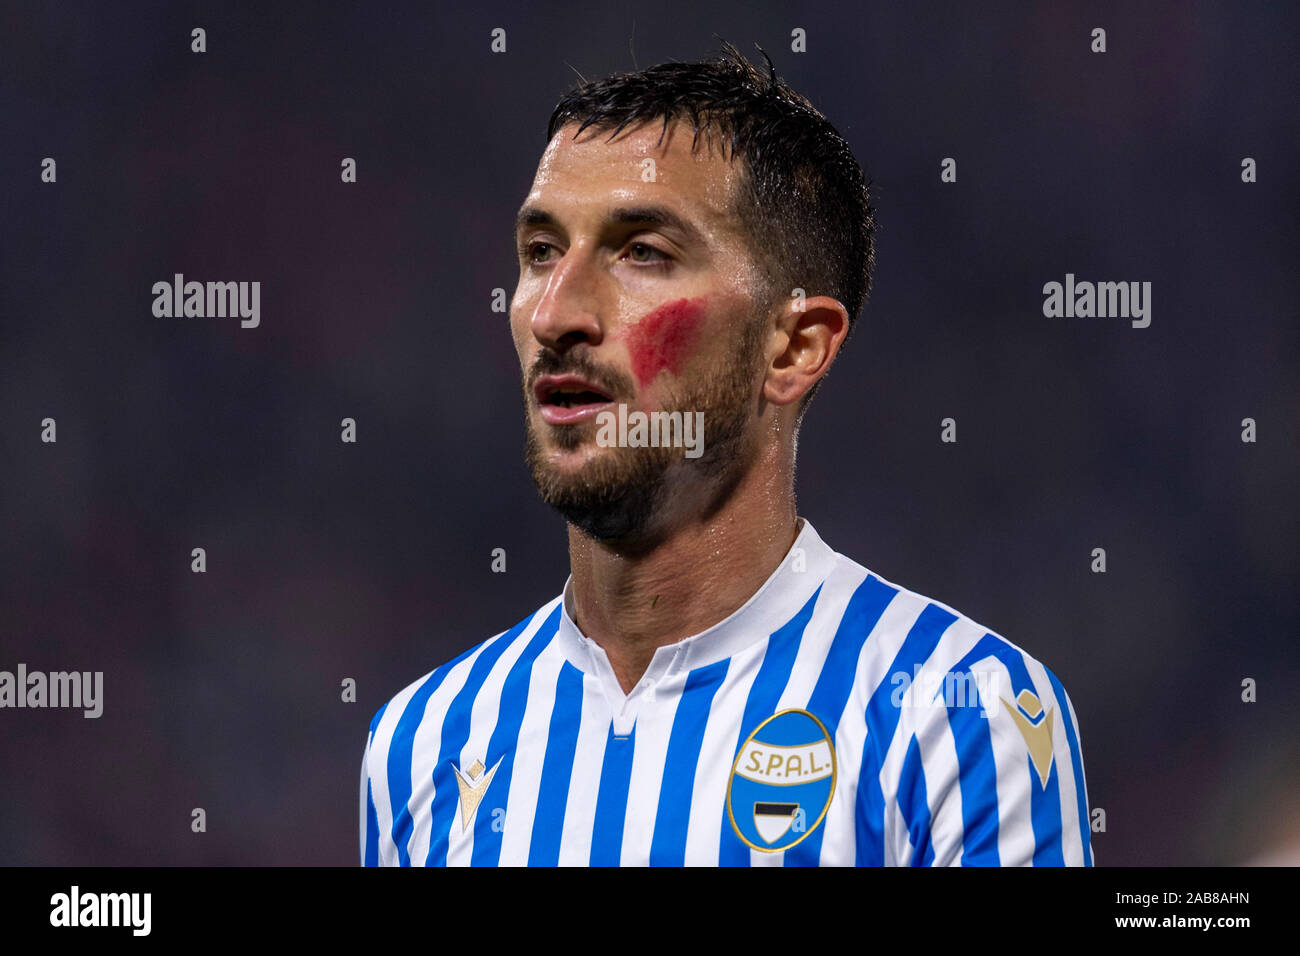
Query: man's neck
[(700, 573)]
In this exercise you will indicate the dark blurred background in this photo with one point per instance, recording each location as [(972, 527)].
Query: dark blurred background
[(371, 560)]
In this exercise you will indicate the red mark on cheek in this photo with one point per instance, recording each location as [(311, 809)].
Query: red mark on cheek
[(665, 338)]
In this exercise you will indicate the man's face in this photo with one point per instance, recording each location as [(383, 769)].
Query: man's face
[(635, 288)]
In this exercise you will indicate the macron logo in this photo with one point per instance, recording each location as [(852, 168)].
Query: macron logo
[(472, 784)]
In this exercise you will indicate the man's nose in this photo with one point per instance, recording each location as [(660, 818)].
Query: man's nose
[(569, 311)]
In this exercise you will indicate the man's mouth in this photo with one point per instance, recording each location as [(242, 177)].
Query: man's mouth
[(569, 399)]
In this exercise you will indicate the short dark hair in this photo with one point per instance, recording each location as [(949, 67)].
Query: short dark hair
[(803, 203)]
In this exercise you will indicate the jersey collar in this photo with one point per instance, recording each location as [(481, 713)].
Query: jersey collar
[(795, 580)]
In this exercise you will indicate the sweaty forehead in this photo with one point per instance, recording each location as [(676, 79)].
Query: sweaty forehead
[(637, 164)]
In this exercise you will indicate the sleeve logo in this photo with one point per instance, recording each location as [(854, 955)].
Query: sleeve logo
[(1035, 726), (472, 784)]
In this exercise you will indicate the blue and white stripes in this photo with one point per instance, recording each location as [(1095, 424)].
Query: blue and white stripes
[(575, 772)]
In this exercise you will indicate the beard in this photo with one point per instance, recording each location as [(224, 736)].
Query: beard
[(617, 494)]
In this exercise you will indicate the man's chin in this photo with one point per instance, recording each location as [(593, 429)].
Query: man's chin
[(569, 449), (603, 513), (609, 493)]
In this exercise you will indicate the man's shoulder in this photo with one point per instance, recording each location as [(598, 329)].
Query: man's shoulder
[(415, 697), (956, 708), (912, 635)]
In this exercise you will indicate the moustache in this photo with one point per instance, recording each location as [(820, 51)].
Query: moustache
[(611, 381)]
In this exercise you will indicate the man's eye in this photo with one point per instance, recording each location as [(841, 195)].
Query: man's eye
[(533, 247), (642, 252)]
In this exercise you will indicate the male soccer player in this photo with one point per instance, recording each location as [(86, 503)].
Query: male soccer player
[(715, 685)]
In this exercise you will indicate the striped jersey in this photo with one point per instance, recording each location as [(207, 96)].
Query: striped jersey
[(835, 719)]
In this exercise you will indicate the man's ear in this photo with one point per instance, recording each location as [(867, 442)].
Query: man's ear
[(809, 335)]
